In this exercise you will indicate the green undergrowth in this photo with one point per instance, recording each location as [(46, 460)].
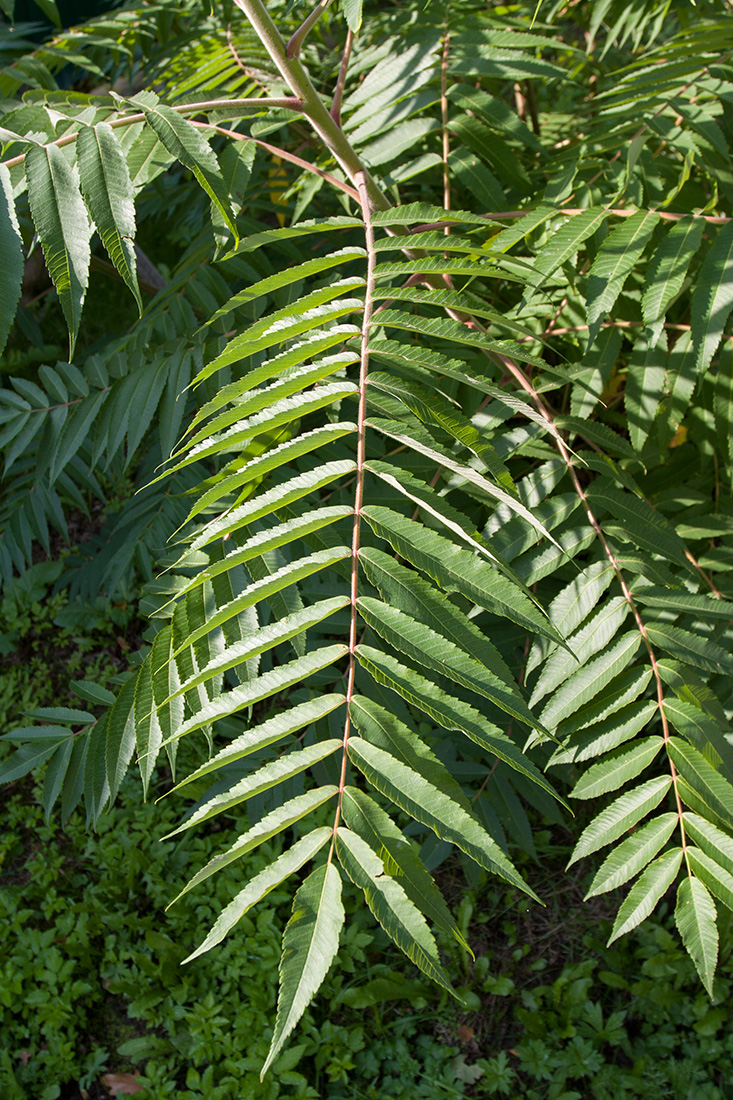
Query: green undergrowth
[(46, 640), (91, 983)]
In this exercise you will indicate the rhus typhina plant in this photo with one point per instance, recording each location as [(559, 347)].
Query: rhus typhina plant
[(451, 510)]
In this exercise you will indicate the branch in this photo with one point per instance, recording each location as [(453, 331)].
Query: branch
[(296, 42), (312, 106), (284, 155), (244, 105), (338, 94)]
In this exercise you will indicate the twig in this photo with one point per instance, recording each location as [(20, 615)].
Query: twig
[(235, 105), (238, 61), (284, 155), (296, 42), (338, 94)]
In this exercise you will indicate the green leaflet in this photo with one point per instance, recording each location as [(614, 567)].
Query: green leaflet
[(645, 387), (96, 787), (309, 349), (711, 839), (107, 189), (448, 711), (599, 737), (278, 679), (148, 731), (286, 278), (353, 11), (564, 242), (56, 775), (427, 804), (724, 406), (586, 684), (622, 690), (430, 328), (616, 257), (702, 804), (436, 506), (187, 144), (696, 917), (620, 816), (289, 574), (689, 688), (711, 874), (646, 527), (295, 488), (494, 265), (642, 899), (702, 777), (455, 569), (701, 652), (271, 460), (267, 733), (291, 860), (310, 943), (265, 638), (571, 606), (63, 228), (712, 298), (364, 817), (416, 212), (617, 769), (282, 817), (685, 602), (666, 272), (633, 854), (381, 728), (269, 775), (73, 785), (420, 355), (492, 149), (424, 444), (703, 732), (271, 538), (255, 401), (433, 651), (120, 736), (454, 300), (430, 407), (11, 244), (398, 916), (301, 229), (284, 411), (166, 682), (430, 240), (598, 632), (405, 589), (496, 113), (315, 310)]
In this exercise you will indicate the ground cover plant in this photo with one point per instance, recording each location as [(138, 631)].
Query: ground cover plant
[(430, 417)]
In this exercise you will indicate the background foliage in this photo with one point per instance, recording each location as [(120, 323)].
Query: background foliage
[(445, 401)]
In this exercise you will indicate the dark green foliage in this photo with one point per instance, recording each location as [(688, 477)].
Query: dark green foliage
[(437, 427)]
